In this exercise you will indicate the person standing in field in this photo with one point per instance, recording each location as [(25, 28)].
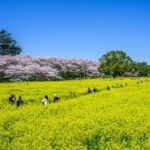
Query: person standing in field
[(89, 91), (56, 98), (12, 98), (95, 90), (45, 100), (108, 88), (19, 102)]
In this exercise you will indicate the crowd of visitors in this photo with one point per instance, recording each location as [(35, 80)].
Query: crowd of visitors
[(56, 98)]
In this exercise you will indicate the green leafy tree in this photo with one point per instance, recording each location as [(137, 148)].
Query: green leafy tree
[(8, 46), (143, 69), (116, 63)]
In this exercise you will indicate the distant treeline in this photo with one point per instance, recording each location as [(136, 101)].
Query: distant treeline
[(29, 68), (143, 69)]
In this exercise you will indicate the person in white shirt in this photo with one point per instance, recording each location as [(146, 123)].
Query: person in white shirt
[(45, 100)]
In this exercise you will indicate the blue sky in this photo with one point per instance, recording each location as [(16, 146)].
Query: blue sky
[(79, 28)]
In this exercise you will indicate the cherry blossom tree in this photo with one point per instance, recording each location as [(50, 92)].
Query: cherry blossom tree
[(24, 68)]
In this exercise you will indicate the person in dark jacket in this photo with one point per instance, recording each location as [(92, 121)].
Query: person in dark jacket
[(12, 98), (19, 101), (56, 98), (95, 90), (89, 91)]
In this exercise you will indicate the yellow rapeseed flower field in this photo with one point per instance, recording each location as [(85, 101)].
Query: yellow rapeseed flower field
[(115, 119)]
